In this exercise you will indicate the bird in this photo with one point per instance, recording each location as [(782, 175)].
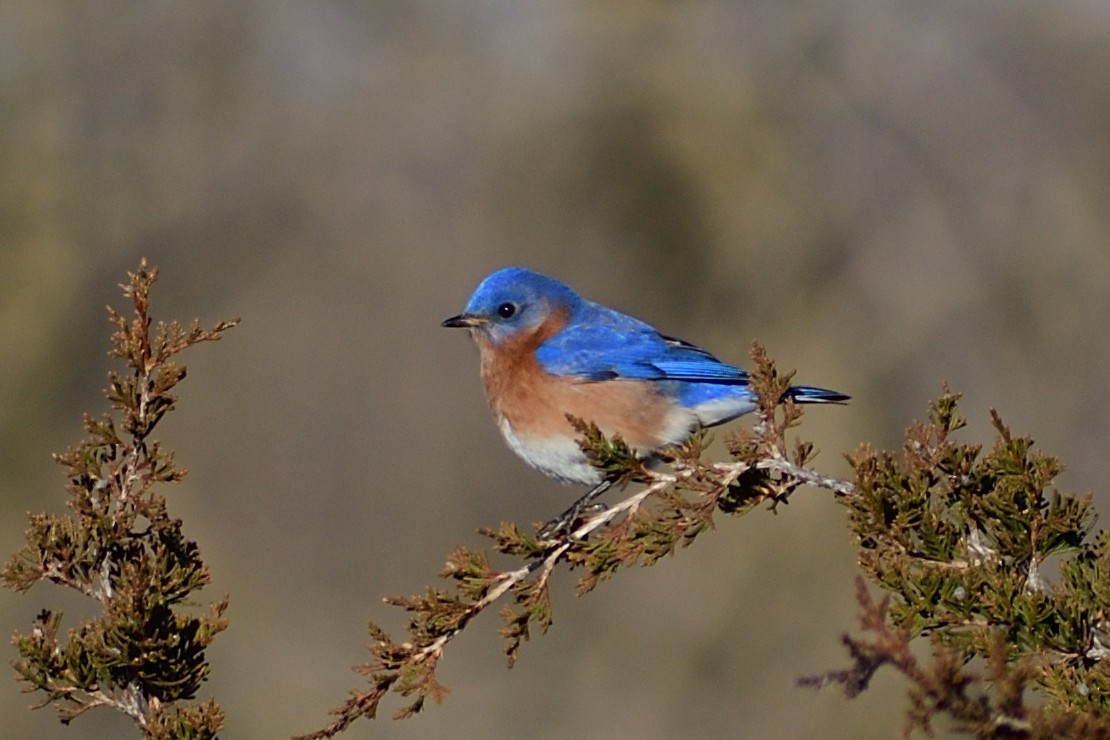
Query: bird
[(546, 353)]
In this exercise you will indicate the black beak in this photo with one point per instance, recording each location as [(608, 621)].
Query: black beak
[(462, 321)]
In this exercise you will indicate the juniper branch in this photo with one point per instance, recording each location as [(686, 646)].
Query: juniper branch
[(957, 537), (144, 656), (671, 510)]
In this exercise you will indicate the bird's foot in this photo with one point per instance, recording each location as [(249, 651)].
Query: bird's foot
[(564, 523)]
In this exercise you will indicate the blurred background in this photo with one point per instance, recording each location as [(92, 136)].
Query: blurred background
[(888, 195)]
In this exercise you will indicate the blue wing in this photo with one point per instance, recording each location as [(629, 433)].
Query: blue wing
[(601, 344)]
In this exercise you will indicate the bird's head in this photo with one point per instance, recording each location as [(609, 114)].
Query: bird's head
[(511, 302)]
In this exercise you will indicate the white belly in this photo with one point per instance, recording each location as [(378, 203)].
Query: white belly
[(558, 458)]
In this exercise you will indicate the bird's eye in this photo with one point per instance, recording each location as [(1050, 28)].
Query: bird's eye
[(506, 310)]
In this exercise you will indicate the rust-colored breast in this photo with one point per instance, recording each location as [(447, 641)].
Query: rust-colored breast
[(535, 403)]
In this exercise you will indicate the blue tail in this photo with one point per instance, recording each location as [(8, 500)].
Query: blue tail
[(809, 394)]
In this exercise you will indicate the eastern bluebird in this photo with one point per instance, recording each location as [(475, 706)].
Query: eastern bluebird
[(546, 352)]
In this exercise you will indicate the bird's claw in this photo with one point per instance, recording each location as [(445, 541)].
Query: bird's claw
[(588, 504), (564, 524)]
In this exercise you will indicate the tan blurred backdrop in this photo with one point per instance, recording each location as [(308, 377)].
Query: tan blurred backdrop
[(889, 195)]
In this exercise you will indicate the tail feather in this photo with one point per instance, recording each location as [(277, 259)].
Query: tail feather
[(810, 394)]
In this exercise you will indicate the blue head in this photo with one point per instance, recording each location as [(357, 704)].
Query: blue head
[(513, 300)]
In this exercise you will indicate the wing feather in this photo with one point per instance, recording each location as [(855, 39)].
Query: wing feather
[(606, 345)]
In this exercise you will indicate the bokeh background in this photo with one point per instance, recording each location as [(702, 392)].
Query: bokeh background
[(889, 195)]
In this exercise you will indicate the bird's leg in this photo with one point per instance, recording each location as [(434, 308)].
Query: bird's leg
[(563, 523)]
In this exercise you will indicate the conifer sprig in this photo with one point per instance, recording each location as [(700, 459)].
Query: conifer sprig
[(144, 654), (667, 514)]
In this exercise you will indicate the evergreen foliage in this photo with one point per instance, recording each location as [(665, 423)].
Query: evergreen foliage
[(144, 654), (974, 552)]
